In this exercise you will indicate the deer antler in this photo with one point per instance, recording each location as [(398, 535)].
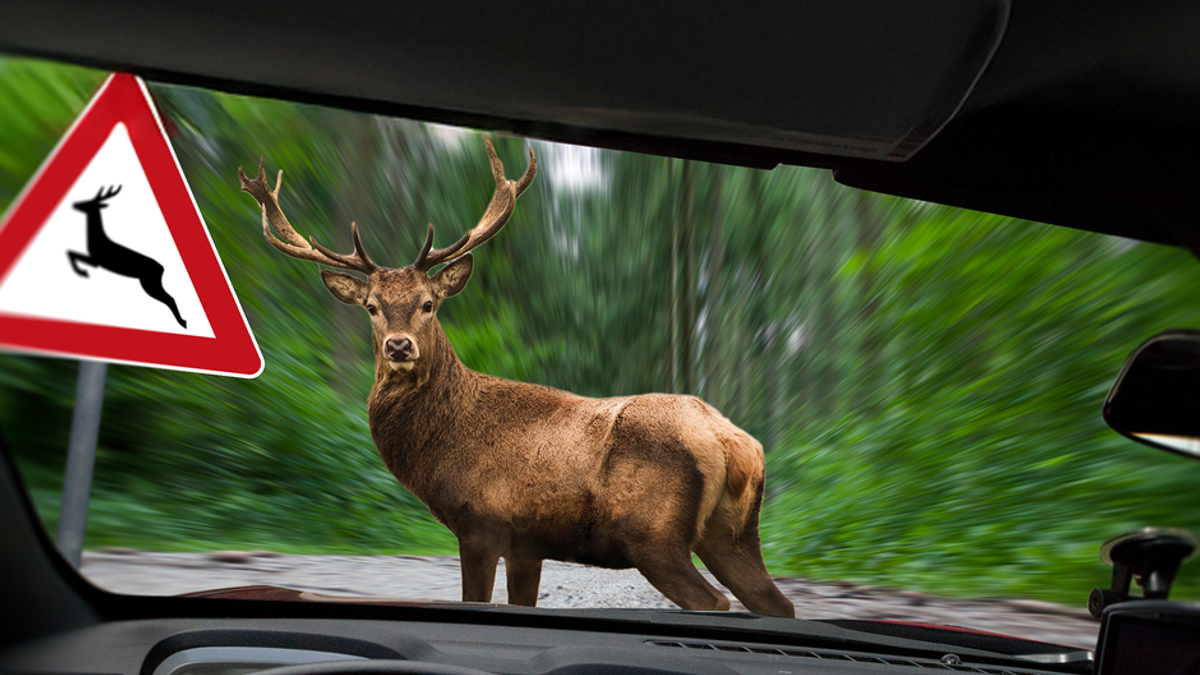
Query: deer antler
[(103, 196), (295, 245), (494, 218)]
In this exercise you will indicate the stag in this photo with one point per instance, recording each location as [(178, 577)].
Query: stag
[(528, 473)]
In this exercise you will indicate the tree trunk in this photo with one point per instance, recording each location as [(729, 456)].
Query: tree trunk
[(872, 342), (687, 328), (675, 317), (716, 363)]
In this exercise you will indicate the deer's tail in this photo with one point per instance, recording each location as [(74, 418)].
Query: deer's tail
[(744, 468)]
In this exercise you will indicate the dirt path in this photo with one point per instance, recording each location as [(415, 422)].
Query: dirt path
[(563, 585)]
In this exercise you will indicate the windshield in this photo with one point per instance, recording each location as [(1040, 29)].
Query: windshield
[(925, 381)]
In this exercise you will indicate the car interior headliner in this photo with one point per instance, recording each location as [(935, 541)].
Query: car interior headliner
[(1061, 111)]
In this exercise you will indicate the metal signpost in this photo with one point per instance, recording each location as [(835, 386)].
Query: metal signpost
[(81, 459)]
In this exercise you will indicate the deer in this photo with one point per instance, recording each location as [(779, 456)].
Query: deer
[(107, 254), (528, 473)]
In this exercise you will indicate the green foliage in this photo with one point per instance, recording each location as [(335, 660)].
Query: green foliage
[(995, 448), (927, 381)]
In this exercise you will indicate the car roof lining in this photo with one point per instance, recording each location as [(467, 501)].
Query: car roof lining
[(1083, 118)]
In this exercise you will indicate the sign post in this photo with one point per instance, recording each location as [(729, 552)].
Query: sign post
[(81, 459), (105, 257)]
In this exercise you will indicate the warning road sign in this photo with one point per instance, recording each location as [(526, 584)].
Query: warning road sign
[(105, 255)]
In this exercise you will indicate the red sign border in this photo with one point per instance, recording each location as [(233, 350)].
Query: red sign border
[(123, 98)]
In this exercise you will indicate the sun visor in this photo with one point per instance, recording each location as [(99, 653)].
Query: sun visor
[(854, 78)]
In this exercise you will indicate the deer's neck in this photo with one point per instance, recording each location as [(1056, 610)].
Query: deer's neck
[(414, 413), (95, 229)]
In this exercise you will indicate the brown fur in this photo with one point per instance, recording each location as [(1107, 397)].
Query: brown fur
[(529, 473)]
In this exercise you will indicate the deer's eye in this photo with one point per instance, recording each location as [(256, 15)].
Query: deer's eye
[(372, 309), (428, 306)]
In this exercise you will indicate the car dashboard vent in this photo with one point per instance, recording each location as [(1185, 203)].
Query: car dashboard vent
[(944, 664)]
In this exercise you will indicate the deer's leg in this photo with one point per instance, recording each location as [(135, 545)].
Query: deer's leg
[(477, 560), (670, 570), (734, 556), (737, 562), (77, 258), (154, 288), (524, 577)]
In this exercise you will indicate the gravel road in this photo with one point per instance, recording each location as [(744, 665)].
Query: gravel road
[(563, 585)]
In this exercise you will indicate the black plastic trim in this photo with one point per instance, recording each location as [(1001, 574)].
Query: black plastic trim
[(279, 639)]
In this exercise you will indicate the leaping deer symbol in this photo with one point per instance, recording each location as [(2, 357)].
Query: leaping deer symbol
[(107, 254)]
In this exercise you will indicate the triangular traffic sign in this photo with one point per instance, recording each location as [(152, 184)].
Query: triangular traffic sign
[(105, 256)]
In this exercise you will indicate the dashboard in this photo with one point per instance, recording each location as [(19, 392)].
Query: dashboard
[(244, 646)]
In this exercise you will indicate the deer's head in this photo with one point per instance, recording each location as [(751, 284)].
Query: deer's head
[(402, 302), (96, 203)]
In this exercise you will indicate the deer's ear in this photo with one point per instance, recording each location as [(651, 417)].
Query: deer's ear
[(350, 290), (453, 277)]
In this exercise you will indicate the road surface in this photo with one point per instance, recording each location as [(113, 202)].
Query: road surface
[(563, 585)]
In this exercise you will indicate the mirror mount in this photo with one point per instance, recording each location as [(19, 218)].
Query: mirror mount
[(1151, 556)]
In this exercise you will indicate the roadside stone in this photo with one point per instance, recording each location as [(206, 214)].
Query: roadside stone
[(914, 598), (238, 557), (1036, 607), (1039, 607), (264, 554)]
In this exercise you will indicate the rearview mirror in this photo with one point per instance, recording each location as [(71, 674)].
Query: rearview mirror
[(1156, 399)]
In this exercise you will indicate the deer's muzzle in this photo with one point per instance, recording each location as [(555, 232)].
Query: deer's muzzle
[(400, 351)]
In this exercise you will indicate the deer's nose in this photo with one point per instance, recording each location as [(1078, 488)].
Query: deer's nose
[(398, 348)]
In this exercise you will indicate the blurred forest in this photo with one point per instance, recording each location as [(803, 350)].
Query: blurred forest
[(927, 381)]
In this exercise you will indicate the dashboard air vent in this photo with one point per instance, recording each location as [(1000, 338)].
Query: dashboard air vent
[(857, 657)]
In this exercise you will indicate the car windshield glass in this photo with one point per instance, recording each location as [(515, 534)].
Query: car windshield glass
[(925, 382)]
